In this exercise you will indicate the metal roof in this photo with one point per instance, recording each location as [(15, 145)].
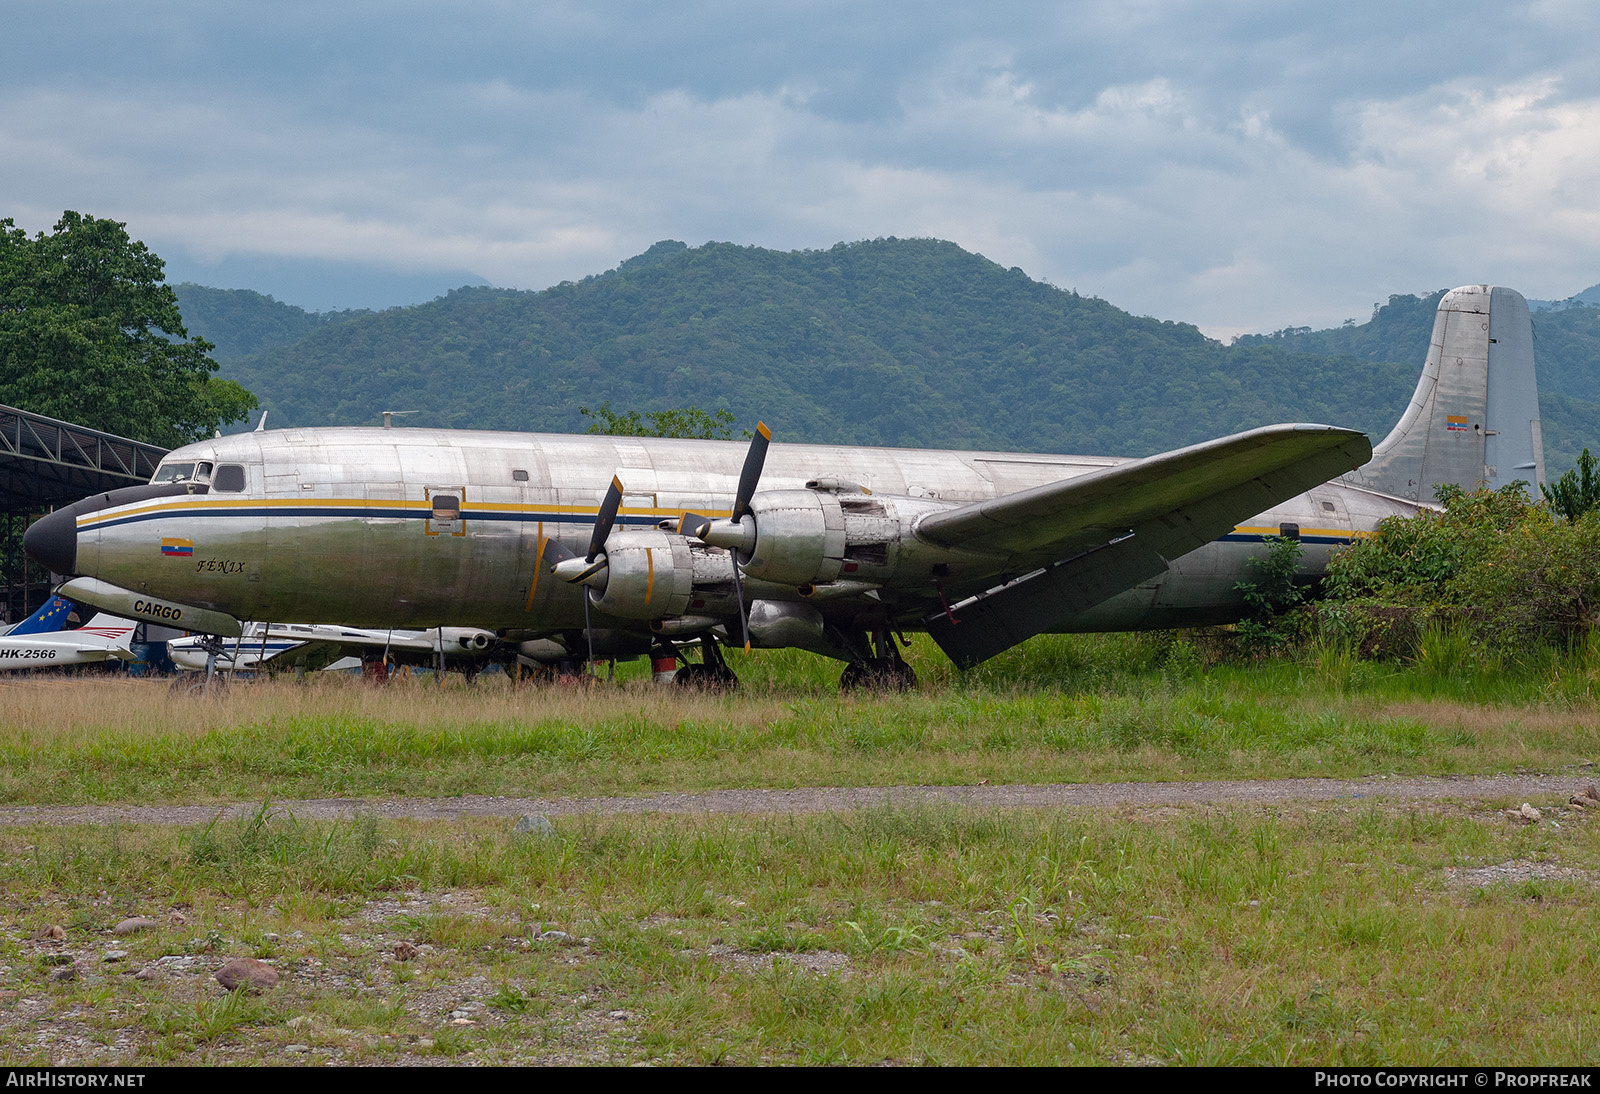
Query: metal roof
[(45, 462)]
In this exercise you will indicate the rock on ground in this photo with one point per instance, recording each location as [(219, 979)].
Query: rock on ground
[(257, 975)]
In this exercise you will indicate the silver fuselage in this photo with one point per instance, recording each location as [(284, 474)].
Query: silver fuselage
[(340, 524)]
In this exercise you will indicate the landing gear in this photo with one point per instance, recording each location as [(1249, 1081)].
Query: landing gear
[(711, 674), (887, 671)]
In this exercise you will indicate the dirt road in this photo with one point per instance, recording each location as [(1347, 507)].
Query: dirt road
[(1539, 789)]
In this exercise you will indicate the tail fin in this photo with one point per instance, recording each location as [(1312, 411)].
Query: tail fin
[(1474, 419), (51, 616), (118, 631)]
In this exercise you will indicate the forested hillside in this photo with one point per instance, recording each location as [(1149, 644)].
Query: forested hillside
[(902, 342), (240, 322)]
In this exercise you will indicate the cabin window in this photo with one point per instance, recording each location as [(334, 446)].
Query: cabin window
[(519, 475), (1328, 507), (1289, 531), (229, 478), (446, 507)]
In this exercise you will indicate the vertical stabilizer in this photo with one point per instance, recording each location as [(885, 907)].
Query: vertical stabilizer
[(51, 616), (1474, 419)]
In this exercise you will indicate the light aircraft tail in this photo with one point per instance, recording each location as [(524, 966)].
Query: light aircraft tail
[(1474, 419), (51, 616), (118, 632)]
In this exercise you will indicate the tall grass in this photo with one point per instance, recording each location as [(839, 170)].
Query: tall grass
[(1064, 708)]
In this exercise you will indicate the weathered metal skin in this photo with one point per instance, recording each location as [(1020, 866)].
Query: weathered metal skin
[(650, 575), (420, 528), (341, 524)]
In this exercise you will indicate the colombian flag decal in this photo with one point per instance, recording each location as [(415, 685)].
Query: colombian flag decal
[(1455, 421), (177, 548)]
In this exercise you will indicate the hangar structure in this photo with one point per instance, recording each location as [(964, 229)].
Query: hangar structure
[(45, 464)]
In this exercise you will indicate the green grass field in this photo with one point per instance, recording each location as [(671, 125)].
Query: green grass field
[(1343, 934), (1068, 709), (1333, 933)]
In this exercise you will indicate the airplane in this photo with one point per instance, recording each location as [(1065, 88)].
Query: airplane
[(39, 643), (51, 616), (832, 549), (310, 648)]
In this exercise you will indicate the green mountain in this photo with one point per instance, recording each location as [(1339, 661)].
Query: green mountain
[(241, 322), (900, 342)]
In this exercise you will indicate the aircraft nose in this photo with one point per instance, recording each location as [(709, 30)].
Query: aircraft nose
[(52, 541)]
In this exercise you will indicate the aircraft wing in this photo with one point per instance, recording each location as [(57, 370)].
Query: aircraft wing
[(350, 641), (1101, 533), (311, 655)]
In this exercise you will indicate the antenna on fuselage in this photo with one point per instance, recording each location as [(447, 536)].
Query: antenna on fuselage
[(390, 415), (262, 424)]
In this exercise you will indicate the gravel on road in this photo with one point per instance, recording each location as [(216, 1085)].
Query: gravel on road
[(835, 799)]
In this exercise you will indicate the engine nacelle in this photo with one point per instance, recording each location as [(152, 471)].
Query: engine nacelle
[(466, 639), (810, 538), (649, 574), (799, 537)]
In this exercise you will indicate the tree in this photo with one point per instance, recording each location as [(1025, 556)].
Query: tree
[(1577, 492), (1268, 599), (688, 422), (90, 333)]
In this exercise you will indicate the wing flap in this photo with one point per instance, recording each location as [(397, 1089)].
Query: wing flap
[(983, 626)]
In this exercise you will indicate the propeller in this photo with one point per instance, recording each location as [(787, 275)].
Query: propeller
[(590, 570), (736, 533)]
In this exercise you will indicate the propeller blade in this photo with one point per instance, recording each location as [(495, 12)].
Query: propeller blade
[(606, 518), (555, 552), (751, 475), (693, 524), (588, 634), (744, 616)]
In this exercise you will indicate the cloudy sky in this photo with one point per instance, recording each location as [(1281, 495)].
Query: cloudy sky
[(1240, 165)]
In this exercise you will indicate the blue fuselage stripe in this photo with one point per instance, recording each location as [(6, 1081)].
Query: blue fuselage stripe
[(584, 519), (529, 517), (1248, 537)]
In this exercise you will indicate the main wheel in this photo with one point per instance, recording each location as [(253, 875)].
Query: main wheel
[(706, 678), (879, 674)]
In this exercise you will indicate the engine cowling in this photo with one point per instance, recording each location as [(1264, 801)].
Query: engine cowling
[(649, 574), (808, 538), (466, 639), (798, 537)]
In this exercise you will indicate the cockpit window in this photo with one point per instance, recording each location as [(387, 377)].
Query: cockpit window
[(229, 478), (182, 472), (174, 472)]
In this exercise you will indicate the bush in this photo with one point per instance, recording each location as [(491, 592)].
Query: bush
[(1493, 568)]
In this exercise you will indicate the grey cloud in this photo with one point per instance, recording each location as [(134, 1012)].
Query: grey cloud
[(1228, 163)]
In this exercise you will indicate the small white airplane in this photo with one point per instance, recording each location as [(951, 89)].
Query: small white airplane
[(39, 643), (304, 648)]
